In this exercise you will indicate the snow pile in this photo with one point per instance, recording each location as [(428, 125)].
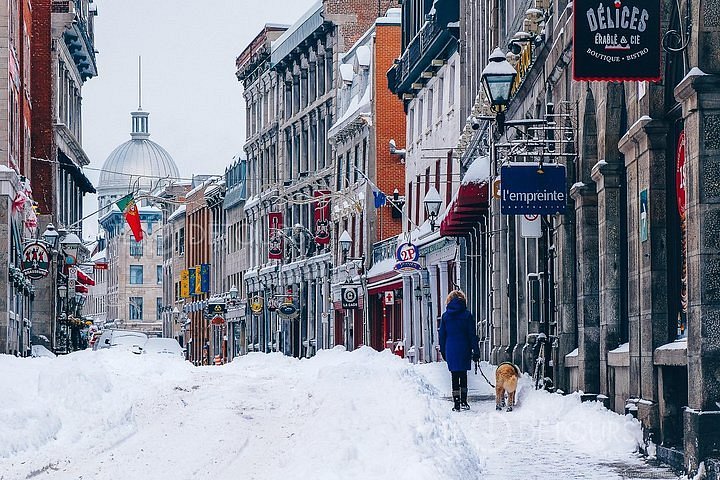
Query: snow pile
[(478, 172), (351, 415)]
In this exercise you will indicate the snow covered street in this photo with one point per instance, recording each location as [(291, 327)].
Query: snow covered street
[(358, 415)]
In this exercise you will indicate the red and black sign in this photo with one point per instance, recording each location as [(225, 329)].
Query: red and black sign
[(275, 250), (322, 217), (617, 41)]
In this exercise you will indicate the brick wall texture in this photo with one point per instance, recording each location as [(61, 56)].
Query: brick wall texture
[(389, 117)]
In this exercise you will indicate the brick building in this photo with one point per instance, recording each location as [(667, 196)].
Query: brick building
[(369, 116)]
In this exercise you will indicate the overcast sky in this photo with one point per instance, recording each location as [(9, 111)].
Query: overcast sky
[(188, 51)]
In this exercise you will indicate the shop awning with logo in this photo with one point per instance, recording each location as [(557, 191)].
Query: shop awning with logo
[(84, 278), (466, 210)]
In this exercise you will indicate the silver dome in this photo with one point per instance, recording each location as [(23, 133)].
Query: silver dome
[(137, 163)]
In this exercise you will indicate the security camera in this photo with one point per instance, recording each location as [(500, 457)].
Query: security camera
[(475, 123)]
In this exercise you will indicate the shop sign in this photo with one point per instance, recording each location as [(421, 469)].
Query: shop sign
[(407, 255), (218, 320), (681, 176), (185, 284), (528, 188), (275, 225), (322, 217), (617, 41), (288, 310), (349, 297), (36, 260), (256, 306)]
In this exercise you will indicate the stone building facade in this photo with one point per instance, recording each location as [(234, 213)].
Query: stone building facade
[(426, 77), (302, 86), (135, 271), (622, 284), (63, 59)]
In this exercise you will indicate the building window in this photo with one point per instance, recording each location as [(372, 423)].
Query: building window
[(136, 248), (181, 241), (451, 86), (159, 246), (430, 108), (158, 310), (159, 274), (136, 308), (136, 274)]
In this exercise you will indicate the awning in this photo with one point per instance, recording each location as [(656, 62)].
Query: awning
[(385, 286), (84, 278), (81, 289), (81, 180), (466, 210)]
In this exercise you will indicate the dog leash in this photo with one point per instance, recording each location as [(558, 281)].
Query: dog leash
[(483, 375)]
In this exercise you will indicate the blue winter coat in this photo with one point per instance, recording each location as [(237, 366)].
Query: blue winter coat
[(458, 339)]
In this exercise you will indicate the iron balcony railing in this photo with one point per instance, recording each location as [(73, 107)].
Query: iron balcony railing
[(384, 250)]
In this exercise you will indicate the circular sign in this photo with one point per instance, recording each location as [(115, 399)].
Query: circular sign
[(349, 295), (288, 310), (531, 217), (256, 306), (217, 320), (407, 252)]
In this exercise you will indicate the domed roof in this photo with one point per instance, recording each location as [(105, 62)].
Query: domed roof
[(137, 163)]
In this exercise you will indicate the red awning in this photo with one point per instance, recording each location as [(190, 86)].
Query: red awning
[(81, 288), (466, 210), (396, 285), (84, 278)]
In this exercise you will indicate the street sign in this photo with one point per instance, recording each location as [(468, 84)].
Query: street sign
[(530, 225), (530, 188), (389, 298), (36, 260), (349, 298)]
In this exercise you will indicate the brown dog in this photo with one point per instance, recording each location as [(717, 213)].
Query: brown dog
[(506, 380)]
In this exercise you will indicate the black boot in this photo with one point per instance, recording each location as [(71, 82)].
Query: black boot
[(456, 400), (463, 399)]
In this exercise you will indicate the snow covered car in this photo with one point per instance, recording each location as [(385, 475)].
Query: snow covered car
[(122, 339), (164, 346), (41, 351)]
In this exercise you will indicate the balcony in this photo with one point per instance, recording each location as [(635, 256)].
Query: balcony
[(384, 250), (77, 36), (427, 52)]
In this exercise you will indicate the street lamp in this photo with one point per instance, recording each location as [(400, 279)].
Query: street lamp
[(233, 292), (51, 236), (432, 205), (71, 246), (498, 78), (345, 241)]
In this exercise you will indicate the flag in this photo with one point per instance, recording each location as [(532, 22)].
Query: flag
[(380, 198), (132, 216)]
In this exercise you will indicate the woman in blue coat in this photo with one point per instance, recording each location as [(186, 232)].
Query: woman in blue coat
[(458, 345)]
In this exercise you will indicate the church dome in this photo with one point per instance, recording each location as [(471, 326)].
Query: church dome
[(137, 163)]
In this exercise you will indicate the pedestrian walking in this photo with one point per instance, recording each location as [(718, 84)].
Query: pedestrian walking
[(458, 345)]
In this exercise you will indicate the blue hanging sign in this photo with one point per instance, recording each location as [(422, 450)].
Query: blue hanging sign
[(527, 188)]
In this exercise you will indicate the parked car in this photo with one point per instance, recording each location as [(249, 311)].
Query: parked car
[(164, 346), (124, 339), (41, 351)]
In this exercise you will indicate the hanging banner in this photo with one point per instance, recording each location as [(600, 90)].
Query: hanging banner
[(528, 188), (192, 281), (198, 280), (205, 278), (275, 225), (322, 217), (644, 215), (617, 41), (185, 284), (36, 260)]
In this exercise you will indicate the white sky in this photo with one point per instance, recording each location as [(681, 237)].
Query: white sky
[(188, 51)]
